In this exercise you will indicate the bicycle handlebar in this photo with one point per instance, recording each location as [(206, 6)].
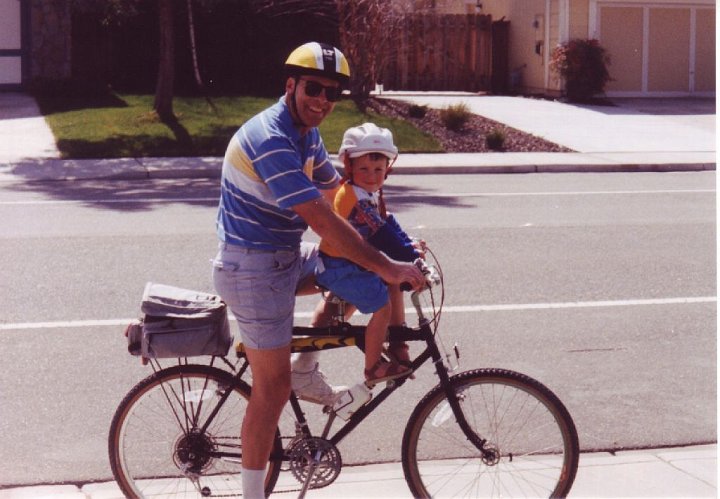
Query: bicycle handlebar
[(432, 276)]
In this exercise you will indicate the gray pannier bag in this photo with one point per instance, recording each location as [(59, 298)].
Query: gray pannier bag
[(179, 323)]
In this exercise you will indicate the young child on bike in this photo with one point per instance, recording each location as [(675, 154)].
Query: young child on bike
[(368, 152)]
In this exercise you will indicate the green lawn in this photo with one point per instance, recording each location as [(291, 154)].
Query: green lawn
[(123, 125)]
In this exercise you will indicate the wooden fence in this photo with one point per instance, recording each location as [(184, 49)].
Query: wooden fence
[(446, 52)]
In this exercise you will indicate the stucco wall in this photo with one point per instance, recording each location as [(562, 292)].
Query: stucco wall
[(527, 36)]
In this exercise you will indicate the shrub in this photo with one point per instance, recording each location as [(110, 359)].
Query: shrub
[(417, 111), (495, 139), (455, 116), (583, 65)]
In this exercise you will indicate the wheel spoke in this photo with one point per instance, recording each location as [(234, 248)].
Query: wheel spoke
[(164, 444), (531, 441)]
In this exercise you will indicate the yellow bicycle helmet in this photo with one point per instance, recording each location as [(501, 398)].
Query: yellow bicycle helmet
[(319, 59)]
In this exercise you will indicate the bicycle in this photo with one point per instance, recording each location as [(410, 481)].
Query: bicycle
[(480, 433)]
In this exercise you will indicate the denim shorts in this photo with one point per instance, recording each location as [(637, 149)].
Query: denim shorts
[(353, 284), (259, 288)]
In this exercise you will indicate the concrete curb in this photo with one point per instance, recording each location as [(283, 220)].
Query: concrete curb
[(412, 164)]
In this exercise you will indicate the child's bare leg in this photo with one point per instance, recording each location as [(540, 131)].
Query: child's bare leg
[(375, 335), (398, 350), (377, 370), (397, 301)]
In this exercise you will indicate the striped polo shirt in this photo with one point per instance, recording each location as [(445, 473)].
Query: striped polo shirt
[(269, 168)]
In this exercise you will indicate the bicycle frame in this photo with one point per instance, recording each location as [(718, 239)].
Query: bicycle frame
[(357, 333), (345, 334)]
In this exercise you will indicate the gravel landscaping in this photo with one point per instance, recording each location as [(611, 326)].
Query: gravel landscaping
[(471, 138)]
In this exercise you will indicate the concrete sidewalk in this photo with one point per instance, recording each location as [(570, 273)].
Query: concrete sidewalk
[(657, 125), (677, 472), (23, 131)]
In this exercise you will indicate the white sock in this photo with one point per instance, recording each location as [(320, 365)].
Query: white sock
[(253, 483), (305, 361)]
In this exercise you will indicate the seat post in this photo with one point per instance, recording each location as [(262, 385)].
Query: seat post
[(339, 315)]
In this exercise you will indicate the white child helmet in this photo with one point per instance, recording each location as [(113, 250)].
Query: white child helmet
[(365, 139)]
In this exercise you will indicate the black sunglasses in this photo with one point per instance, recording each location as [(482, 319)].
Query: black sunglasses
[(313, 89)]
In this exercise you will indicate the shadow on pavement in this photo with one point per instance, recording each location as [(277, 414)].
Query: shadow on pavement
[(136, 185)]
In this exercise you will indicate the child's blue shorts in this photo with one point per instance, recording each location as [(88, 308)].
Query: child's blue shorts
[(353, 284)]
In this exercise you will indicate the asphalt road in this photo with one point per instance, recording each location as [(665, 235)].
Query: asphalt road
[(602, 286)]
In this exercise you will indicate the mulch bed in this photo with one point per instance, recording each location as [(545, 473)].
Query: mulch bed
[(471, 138)]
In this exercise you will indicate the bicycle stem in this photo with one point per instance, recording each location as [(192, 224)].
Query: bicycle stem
[(415, 299)]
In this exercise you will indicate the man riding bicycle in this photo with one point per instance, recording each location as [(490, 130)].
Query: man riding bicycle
[(276, 181)]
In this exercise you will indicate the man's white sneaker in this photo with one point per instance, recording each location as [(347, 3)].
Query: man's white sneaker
[(313, 387)]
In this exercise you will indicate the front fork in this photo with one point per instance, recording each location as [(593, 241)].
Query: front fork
[(452, 406)]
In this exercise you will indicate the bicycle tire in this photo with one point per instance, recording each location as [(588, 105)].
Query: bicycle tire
[(533, 436), (156, 444)]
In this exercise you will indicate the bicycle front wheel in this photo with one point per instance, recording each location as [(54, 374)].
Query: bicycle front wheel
[(530, 442), (177, 434)]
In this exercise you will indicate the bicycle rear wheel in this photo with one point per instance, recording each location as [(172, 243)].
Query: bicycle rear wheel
[(531, 441), (177, 434)]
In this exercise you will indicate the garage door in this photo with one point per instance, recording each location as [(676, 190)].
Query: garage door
[(10, 44), (658, 49)]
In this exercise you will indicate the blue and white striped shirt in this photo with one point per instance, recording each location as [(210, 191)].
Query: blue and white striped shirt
[(268, 169)]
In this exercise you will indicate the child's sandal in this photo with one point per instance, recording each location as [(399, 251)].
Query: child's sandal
[(385, 371), (399, 352)]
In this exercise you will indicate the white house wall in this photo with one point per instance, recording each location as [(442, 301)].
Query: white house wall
[(10, 43)]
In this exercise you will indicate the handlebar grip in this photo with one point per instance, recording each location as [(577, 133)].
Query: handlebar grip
[(422, 267)]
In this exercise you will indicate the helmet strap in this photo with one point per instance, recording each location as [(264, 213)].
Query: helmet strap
[(389, 167), (347, 170), (293, 105), (381, 205)]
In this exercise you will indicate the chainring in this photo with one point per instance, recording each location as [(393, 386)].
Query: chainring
[(324, 454)]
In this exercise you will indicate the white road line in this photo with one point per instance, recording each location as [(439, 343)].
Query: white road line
[(447, 309), (581, 304), (106, 201), (556, 193), (61, 324), (389, 195)]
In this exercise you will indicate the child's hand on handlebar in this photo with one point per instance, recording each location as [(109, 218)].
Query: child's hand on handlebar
[(420, 247)]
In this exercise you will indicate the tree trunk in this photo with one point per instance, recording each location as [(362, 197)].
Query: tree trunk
[(166, 68), (193, 46)]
